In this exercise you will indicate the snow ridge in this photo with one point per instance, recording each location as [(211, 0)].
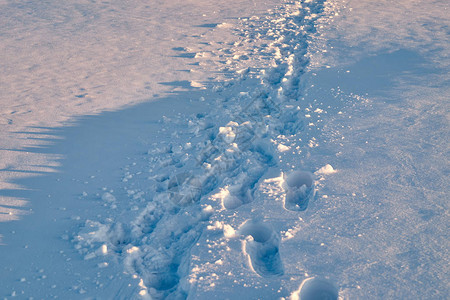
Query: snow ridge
[(225, 152)]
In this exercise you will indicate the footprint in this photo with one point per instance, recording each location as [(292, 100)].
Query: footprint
[(261, 245), (299, 189), (316, 289), (230, 200)]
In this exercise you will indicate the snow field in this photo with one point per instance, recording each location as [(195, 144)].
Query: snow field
[(310, 167), (65, 60)]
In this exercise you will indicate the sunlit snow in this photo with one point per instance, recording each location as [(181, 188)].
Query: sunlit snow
[(224, 150)]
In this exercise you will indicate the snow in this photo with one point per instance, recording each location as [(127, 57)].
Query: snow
[(299, 189), (63, 60), (326, 170), (315, 288), (292, 150)]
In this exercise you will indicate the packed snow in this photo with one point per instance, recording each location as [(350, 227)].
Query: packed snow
[(285, 150)]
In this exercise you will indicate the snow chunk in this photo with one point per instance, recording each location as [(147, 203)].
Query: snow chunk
[(216, 225), (326, 170), (243, 72), (104, 249), (208, 209), (290, 233), (225, 25), (283, 148), (133, 249), (228, 231), (197, 84), (228, 133)]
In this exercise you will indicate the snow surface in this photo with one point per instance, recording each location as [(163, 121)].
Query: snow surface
[(304, 156), (64, 59)]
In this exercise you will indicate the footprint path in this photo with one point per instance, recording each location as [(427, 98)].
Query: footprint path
[(229, 150)]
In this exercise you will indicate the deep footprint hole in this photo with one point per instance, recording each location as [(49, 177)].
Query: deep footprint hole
[(261, 233), (299, 189), (263, 249), (318, 289), (299, 178)]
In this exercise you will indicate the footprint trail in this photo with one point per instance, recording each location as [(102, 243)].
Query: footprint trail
[(225, 152)]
